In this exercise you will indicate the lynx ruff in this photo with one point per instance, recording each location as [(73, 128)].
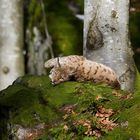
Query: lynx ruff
[(80, 69)]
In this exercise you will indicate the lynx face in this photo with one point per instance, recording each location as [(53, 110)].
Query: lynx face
[(58, 75)]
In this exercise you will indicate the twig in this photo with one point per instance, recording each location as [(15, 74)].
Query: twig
[(46, 29)]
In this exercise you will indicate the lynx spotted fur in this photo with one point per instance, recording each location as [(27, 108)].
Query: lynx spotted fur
[(80, 69)]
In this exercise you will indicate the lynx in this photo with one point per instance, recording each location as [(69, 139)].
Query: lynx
[(80, 69)]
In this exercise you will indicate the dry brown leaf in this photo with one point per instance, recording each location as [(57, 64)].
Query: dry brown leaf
[(65, 127), (126, 97), (103, 116), (116, 93), (98, 97), (106, 123), (65, 116), (103, 112)]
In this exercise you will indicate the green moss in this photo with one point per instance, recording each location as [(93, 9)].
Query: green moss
[(32, 100), (126, 114), (65, 29), (65, 35), (130, 128), (35, 100), (118, 134), (88, 93)]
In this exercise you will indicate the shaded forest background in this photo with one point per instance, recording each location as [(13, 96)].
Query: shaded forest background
[(84, 110), (134, 30), (63, 26), (59, 25)]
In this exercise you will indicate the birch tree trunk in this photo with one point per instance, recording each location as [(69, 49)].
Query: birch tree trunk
[(37, 52), (11, 41), (39, 45), (106, 37)]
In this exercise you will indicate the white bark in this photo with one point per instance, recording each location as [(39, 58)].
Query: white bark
[(106, 37), (11, 41), (38, 52), (39, 48)]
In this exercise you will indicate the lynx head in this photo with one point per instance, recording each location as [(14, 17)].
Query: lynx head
[(58, 75)]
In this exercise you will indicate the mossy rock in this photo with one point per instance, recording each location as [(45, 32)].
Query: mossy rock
[(67, 111), (33, 100)]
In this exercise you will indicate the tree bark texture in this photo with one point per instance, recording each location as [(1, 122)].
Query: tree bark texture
[(11, 41), (39, 46), (106, 38), (38, 51)]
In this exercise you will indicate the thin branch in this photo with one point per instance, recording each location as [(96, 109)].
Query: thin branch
[(46, 29)]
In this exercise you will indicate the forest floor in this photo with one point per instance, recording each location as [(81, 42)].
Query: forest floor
[(32, 108)]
